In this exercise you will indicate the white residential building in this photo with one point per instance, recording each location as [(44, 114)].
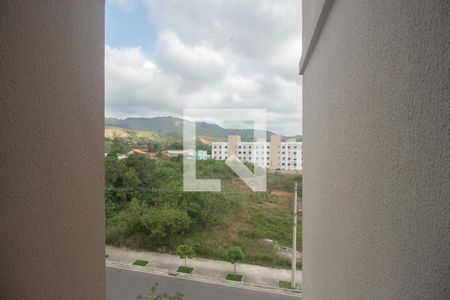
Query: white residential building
[(275, 154)]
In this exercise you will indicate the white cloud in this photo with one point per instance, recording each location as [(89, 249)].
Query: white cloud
[(240, 54), (195, 63)]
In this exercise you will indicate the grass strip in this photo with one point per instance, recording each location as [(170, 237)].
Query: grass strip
[(234, 277), (284, 284), (141, 263), (186, 270)]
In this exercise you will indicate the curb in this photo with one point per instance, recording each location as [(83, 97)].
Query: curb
[(193, 277)]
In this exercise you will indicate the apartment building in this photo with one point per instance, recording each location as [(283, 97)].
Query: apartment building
[(376, 123), (275, 154)]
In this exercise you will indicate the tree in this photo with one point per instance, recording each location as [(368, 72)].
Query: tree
[(234, 254), (154, 146), (164, 225), (184, 252), (118, 147), (114, 170), (176, 146), (130, 183), (131, 179)]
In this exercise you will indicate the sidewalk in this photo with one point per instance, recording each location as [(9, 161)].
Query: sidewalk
[(205, 269)]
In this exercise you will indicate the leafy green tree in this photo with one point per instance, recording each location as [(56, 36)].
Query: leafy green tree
[(201, 146), (114, 170), (118, 146), (234, 254), (131, 183), (176, 146), (144, 169), (154, 146), (131, 179), (164, 225), (184, 252), (110, 208)]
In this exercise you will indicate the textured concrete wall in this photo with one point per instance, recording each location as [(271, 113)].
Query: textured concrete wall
[(312, 9), (51, 149), (376, 183)]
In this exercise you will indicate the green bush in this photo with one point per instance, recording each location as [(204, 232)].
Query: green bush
[(163, 225)]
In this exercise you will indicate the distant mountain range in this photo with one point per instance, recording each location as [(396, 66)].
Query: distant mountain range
[(174, 126)]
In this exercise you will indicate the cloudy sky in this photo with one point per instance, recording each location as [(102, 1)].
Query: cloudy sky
[(166, 55)]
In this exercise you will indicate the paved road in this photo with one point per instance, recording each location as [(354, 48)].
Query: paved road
[(124, 284)]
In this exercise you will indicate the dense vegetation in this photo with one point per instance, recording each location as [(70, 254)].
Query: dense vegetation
[(146, 208)]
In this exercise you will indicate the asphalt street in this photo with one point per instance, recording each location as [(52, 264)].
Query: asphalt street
[(127, 285)]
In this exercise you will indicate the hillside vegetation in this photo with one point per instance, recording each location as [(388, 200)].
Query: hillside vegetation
[(174, 127), (147, 209), (149, 140)]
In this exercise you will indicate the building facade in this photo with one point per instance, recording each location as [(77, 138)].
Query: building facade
[(276, 154), (52, 238), (376, 127), (190, 154)]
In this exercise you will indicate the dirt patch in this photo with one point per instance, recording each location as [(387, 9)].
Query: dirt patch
[(281, 193), (150, 155), (115, 132), (268, 207), (204, 140)]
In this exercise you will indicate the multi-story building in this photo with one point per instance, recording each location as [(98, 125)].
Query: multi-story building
[(190, 154), (275, 154)]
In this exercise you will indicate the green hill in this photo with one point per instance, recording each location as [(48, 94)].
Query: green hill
[(174, 127)]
